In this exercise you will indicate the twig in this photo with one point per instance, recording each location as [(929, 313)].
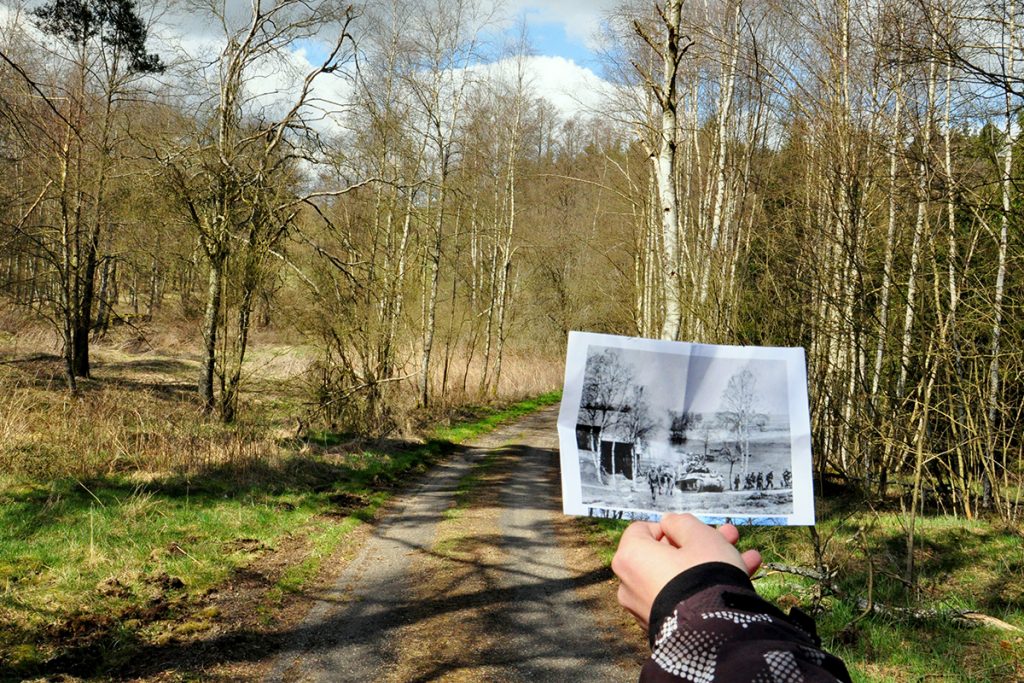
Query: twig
[(825, 579), (35, 86), (176, 547), (966, 617), (870, 606)]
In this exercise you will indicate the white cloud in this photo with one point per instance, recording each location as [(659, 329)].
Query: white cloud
[(568, 86), (581, 18), (571, 88)]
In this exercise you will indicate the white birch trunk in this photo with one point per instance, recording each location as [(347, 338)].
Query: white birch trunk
[(919, 225), (665, 171), (724, 109), (997, 304)]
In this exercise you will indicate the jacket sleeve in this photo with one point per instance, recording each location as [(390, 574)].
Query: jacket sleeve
[(709, 625)]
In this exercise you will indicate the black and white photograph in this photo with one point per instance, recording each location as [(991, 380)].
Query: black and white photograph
[(648, 427)]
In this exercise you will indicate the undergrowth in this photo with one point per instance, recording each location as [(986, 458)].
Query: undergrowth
[(98, 562), (961, 565)]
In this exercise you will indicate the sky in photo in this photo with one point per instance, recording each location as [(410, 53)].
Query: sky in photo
[(697, 383)]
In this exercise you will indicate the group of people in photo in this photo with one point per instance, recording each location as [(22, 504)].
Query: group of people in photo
[(761, 481)]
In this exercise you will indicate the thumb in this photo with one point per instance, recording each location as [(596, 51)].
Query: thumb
[(752, 560), (682, 529)]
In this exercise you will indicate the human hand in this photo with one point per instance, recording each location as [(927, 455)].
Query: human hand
[(651, 554)]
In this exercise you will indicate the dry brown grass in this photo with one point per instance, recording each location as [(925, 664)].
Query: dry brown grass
[(50, 435), (138, 414), (522, 375)]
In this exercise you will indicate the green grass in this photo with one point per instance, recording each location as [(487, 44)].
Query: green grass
[(324, 542), (485, 419), (98, 552), (961, 565)]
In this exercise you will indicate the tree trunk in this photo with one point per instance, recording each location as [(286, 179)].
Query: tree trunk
[(919, 226), (103, 305), (664, 160), (83, 321), (232, 379), (435, 279), (210, 324), (717, 215)]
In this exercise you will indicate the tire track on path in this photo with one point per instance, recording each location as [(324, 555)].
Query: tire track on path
[(502, 606)]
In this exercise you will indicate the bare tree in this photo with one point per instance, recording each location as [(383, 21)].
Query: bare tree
[(607, 382), (238, 180), (445, 41), (739, 412)]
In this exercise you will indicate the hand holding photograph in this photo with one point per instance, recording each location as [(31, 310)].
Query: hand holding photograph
[(648, 427)]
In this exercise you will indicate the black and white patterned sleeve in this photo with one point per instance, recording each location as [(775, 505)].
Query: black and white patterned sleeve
[(709, 625)]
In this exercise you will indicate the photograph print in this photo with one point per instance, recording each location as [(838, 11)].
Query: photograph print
[(648, 427)]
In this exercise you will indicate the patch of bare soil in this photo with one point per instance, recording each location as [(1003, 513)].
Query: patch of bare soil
[(450, 645), (227, 634), (616, 623)]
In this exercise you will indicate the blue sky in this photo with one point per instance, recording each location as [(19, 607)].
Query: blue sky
[(561, 28), (550, 39)]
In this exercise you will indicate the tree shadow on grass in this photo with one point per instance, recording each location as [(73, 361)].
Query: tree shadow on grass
[(32, 509), (985, 566), (329, 486)]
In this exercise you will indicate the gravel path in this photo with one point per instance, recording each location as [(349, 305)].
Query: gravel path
[(406, 609)]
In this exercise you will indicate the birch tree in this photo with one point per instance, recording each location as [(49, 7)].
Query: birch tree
[(668, 43), (445, 42)]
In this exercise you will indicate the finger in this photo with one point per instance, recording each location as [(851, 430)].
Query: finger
[(752, 560), (730, 532), (642, 531), (681, 528)]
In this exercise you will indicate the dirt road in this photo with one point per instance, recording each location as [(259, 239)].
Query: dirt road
[(469, 580)]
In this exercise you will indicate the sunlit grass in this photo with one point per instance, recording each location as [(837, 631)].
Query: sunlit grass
[(961, 564), (487, 418), (105, 547)]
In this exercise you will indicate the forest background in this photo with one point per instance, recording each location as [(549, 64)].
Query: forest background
[(220, 256)]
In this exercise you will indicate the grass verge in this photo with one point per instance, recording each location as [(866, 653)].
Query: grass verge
[(962, 564), (93, 569)]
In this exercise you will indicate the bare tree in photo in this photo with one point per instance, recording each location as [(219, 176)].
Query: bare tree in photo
[(739, 412), (635, 423), (705, 434), (732, 455), (606, 381)]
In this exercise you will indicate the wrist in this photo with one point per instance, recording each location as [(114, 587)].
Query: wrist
[(689, 582)]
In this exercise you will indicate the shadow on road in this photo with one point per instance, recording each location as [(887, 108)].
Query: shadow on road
[(523, 601)]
